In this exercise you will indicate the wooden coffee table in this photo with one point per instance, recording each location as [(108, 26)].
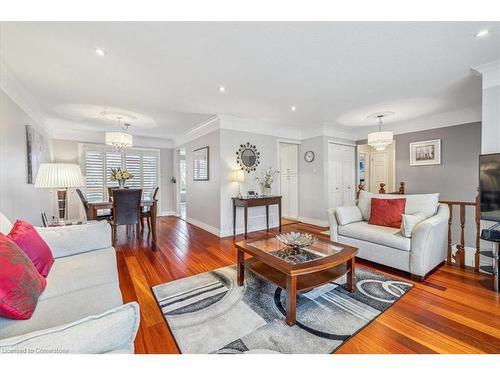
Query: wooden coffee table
[(296, 271)]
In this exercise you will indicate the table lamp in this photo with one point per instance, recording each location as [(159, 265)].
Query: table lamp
[(239, 176), (59, 176)]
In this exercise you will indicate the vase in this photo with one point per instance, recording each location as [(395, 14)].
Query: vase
[(121, 184), (266, 190)]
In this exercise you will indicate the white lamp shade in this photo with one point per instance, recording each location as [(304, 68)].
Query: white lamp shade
[(380, 140), (119, 139), (239, 175), (59, 176)]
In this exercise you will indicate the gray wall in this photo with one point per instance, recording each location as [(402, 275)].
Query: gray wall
[(457, 176), (312, 177), (19, 200), (203, 197)]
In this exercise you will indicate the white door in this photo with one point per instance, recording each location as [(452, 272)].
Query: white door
[(379, 172), (289, 169), (341, 175)]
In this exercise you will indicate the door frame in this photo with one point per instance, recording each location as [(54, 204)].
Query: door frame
[(386, 152), (279, 141)]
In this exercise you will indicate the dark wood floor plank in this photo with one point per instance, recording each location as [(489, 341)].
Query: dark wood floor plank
[(450, 312)]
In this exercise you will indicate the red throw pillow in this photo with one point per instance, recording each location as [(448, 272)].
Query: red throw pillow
[(20, 282), (28, 239), (387, 212)]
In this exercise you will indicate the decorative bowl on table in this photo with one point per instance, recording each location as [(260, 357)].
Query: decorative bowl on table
[(296, 240)]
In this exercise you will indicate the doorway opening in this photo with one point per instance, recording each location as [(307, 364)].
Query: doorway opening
[(376, 167)]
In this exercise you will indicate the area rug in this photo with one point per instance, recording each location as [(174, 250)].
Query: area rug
[(209, 313)]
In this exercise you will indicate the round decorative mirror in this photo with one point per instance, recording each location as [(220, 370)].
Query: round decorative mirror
[(247, 157)]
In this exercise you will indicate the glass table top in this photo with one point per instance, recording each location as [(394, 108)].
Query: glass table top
[(319, 249)]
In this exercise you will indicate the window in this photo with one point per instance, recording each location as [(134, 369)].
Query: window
[(98, 162)]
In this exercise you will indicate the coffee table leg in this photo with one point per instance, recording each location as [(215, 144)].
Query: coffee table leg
[(241, 267), (291, 299), (351, 275)]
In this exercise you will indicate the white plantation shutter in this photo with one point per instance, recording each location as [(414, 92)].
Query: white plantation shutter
[(98, 162), (94, 171), (133, 165), (149, 175)]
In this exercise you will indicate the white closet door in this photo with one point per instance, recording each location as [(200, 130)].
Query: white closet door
[(289, 168), (349, 176), (341, 175)]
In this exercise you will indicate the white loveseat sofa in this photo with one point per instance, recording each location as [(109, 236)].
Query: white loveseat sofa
[(81, 309), (417, 254)]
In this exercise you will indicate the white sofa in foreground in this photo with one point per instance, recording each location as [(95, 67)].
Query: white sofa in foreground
[(81, 309), (418, 254)]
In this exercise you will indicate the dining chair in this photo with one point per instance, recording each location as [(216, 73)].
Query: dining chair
[(126, 210), (147, 211), (85, 202)]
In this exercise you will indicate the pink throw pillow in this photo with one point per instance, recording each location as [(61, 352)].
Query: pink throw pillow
[(28, 239), (20, 282)]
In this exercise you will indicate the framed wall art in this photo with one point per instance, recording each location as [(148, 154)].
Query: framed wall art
[(201, 164), (425, 152)]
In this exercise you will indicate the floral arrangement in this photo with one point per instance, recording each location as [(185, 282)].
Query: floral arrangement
[(266, 178), (120, 175)]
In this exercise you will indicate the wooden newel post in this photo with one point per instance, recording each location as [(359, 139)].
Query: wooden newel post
[(382, 188), (360, 187), (450, 221), (402, 188)]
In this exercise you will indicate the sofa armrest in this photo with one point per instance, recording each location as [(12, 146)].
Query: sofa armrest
[(111, 331), (332, 218), (429, 242), (76, 239)]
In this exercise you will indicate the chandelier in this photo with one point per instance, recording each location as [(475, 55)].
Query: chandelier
[(119, 140), (380, 140)]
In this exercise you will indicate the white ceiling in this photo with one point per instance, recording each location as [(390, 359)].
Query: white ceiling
[(168, 73)]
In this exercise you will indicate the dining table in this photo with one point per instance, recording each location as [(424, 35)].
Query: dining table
[(152, 204)]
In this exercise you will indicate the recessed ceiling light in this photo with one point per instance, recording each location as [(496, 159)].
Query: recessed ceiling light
[(100, 52), (222, 89), (482, 33), (292, 108)]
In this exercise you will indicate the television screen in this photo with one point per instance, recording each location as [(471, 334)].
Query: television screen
[(489, 186)]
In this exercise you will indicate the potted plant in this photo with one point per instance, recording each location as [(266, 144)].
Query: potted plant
[(120, 175), (266, 179)]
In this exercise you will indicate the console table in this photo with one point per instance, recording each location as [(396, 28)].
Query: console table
[(246, 202)]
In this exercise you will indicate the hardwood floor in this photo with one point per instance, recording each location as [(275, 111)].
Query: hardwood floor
[(450, 312)]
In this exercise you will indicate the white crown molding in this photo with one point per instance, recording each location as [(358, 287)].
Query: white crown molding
[(11, 86), (490, 73), (439, 120), (197, 131), (88, 136)]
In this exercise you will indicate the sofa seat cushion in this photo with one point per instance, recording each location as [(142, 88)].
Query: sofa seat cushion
[(386, 236), (64, 309), (81, 271)]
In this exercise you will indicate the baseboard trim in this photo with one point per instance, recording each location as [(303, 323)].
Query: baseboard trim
[(167, 213), (241, 230), (317, 222), (204, 226)]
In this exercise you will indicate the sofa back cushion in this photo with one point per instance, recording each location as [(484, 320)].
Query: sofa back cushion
[(20, 282), (28, 239), (427, 204), (348, 214), (5, 224), (387, 212)]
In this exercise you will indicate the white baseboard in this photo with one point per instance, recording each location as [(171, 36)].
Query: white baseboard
[(167, 213), (317, 222), (241, 230), (204, 226)]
